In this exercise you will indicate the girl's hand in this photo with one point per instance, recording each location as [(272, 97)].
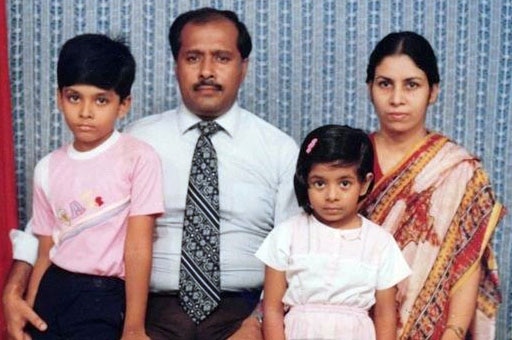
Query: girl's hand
[(135, 335), (249, 330)]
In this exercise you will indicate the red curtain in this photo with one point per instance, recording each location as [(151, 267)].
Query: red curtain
[(8, 209)]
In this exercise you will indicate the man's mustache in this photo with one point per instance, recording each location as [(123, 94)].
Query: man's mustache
[(207, 82)]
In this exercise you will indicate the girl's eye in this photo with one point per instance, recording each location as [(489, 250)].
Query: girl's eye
[(345, 184), (318, 184)]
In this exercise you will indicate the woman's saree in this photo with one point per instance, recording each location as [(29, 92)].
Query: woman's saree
[(439, 205)]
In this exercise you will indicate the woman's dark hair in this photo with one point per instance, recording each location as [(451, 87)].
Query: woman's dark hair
[(341, 145), (205, 15), (97, 60), (411, 44)]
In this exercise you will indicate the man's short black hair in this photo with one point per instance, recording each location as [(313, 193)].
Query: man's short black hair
[(206, 15)]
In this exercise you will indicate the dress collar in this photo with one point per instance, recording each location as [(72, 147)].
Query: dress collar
[(346, 234)]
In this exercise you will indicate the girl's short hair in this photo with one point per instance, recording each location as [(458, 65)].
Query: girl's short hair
[(342, 145), (410, 44)]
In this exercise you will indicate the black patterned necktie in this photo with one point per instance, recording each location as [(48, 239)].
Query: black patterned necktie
[(199, 290)]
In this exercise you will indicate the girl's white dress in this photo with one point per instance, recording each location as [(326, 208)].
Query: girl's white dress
[(332, 275)]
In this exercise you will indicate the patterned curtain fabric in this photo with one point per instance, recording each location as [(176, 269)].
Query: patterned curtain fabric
[(307, 68)]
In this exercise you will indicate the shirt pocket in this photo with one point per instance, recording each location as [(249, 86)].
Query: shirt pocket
[(251, 204)]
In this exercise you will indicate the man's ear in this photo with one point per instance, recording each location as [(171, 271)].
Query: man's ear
[(245, 68)]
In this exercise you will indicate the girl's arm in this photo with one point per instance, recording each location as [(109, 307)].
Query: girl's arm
[(385, 314), (42, 263), (137, 259), (273, 308), (462, 307)]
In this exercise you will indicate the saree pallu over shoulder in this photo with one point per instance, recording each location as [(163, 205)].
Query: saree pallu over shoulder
[(439, 205)]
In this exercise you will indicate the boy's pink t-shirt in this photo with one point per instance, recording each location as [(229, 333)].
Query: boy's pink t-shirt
[(84, 199)]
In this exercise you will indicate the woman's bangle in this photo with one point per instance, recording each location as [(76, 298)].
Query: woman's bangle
[(459, 331)]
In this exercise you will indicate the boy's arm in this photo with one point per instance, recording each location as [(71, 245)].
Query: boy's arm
[(137, 259), (42, 263), (273, 308), (385, 314)]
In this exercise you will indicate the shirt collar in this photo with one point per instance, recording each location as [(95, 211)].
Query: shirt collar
[(228, 121), (74, 153)]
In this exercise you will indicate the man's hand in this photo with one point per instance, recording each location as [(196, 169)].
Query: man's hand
[(249, 330), (17, 311)]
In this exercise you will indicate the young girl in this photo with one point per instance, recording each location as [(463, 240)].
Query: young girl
[(326, 267)]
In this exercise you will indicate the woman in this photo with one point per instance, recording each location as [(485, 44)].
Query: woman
[(434, 197)]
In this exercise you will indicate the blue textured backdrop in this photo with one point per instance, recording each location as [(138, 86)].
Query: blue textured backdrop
[(307, 69)]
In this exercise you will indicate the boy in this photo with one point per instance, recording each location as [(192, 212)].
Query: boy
[(94, 204)]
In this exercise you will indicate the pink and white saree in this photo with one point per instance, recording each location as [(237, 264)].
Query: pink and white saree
[(439, 205)]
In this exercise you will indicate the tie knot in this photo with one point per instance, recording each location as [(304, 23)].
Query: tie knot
[(208, 128)]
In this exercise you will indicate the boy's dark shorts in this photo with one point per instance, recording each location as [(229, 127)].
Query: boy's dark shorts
[(79, 306)]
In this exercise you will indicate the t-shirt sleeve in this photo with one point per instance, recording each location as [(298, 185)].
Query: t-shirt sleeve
[(393, 268), (147, 196), (24, 245), (43, 219), (275, 249)]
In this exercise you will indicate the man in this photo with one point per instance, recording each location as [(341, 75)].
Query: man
[(255, 165)]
